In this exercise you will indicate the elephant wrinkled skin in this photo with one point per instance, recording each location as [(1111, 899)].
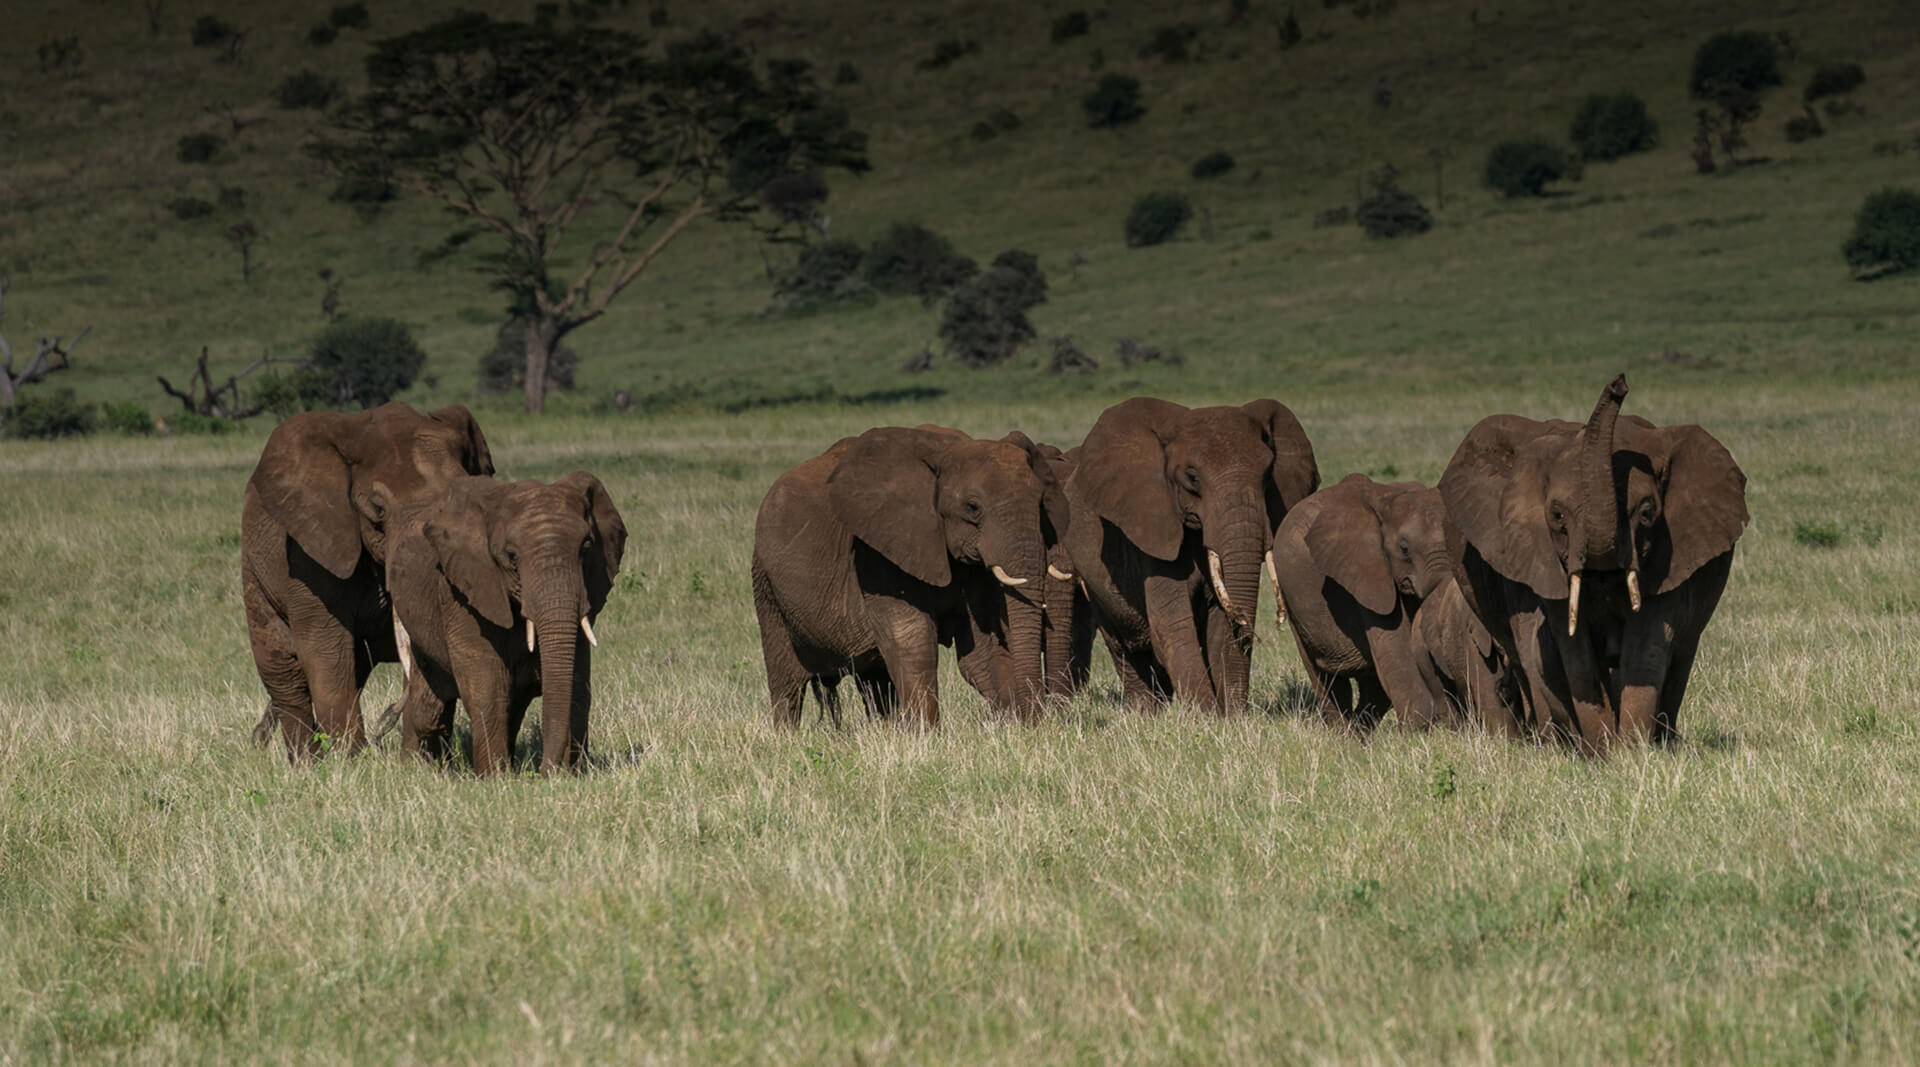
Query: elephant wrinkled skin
[(1173, 512), (313, 549), (496, 587)]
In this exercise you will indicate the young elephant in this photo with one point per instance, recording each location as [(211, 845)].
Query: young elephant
[(1471, 669), (495, 589), (1355, 561), (866, 559)]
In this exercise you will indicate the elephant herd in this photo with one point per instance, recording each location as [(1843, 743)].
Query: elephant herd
[(1554, 586)]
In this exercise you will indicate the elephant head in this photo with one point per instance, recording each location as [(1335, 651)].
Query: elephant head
[(1382, 542), (333, 480), (929, 499), (539, 557)]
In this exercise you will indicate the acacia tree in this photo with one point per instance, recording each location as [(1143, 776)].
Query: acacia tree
[(530, 131)]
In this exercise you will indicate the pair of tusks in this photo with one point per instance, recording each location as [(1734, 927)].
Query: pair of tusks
[(1008, 579), (585, 628), (1220, 587), (1573, 598)]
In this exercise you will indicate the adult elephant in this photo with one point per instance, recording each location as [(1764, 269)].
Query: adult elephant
[(1173, 510), (313, 545), (1355, 561), (869, 557), (1067, 623), (1595, 556), (495, 588)]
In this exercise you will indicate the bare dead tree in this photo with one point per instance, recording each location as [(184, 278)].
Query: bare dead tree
[(239, 122), (202, 397), (330, 300), (51, 353)]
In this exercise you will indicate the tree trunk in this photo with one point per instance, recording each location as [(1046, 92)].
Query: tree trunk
[(541, 336)]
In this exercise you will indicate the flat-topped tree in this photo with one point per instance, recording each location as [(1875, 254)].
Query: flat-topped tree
[(530, 130)]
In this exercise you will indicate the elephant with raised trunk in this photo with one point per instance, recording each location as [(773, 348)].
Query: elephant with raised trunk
[(496, 587), (871, 556), (314, 531), (1173, 513), (1595, 556)]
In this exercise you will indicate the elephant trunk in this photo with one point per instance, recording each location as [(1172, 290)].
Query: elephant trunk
[(1595, 539), (1025, 647), (1234, 559), (1058, 626), (1013, 551), (555, 607)]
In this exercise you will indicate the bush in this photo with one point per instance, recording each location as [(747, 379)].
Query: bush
[(365, 194), (349, 17), (825, 274), (1608, 127), (1834, 79), (1732, 69), (1070, 25), (211, 31), (1805, 127), (364, 362), (1115, 102), (188, 208), (1392, 212), (189, 422), (47, 414), (1886, 234), (1289, 31), (1004, 120), (322, 35), (1212, 165), (846, 74), (306, 90), (233, 198), (985, 321), (199, 147), (1523, 168), (1155, 218), (913, 259), (1169, 43), (127, 417), (503, 369), (947, 52), (289, 395)]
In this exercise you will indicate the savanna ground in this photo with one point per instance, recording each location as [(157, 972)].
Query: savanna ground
[(1099, 887)]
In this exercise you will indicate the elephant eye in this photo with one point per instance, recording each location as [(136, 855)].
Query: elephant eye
[(1406, 550), (1559, 515), (1192, 479), (1646, 511), (513, 558), (971, 509)]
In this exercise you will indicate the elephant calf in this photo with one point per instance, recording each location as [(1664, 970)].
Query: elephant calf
[(495, 589), (866, 559)]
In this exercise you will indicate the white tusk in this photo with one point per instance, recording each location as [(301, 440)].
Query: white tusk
[(587, 628), (1279, 602), (1219, 583), (1006, 579), (529, 635), (1573, 604), (1633, 588), (1057, 574), (405, 644)]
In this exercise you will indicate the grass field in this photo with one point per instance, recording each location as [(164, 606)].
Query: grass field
[(1100, 887)]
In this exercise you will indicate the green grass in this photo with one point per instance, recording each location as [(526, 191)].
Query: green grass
[(1097, 888)]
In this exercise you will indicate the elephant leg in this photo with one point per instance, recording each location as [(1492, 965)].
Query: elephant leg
[(826, 693), (877, 692), (988, 668), (331, 664), (1405, 676), (486, 688), (1175, 635), (426, 715), (909, 643), (786, 677), (1657, 660), (1136, 675), (517, 706), (289, 704), (1371, 702)]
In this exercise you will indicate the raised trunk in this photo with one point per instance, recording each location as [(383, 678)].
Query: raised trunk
[(1596, 543)]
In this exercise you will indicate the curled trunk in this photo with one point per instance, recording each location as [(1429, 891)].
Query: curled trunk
[(1596, 543)]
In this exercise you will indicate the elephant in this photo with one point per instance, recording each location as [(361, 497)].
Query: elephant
[(1355, 562), (1471, 669), (313, 551), (870, 556), (1173, 511), (496, 586), (1067, 623), (1595, 555)]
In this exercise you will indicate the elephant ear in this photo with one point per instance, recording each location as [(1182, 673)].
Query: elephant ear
[(609, 536), (1495, 492), (1046, 462), (458, 532), (1344, 542), (1295, 474), (1704, 503), (476, 458), (883, 490), (304, 482), (1122, 474)]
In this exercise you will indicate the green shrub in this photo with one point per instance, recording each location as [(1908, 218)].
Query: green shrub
[(1212, 165), (199, 147), (1523, 168), (946, 53), (126, 417), (1731, 70), (1886, 234), (211, 31), (366, 194), (825, 274), (188, 422), (1608, 127), (1817, 534), (1834, 79), (363, 362), (48, 414), (983, 131), (1392, 212), (188, 208), (1068, 26), (233, 198), (503, 369), (1115, 102), (846, 74), (1169, 43), (322, 35), (350, 17), (306, 90), (910, 258), (1155, 218), (985, 321), (1805, 127)]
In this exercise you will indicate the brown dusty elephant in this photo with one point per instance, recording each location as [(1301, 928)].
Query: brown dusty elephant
[(1595, 555), (1173, 510), (1355, 562), (313, 533), (1472, 670), (1067, 623), (869, 557), (495, 587)]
